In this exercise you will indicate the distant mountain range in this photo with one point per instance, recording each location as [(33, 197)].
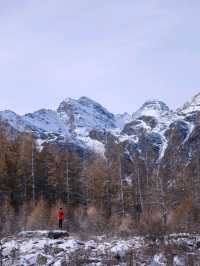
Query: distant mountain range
[(75, 120)]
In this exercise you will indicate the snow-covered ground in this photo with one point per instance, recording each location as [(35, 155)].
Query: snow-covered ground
[(37, 248)]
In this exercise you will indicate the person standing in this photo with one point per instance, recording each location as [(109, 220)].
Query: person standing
[(61, 216)]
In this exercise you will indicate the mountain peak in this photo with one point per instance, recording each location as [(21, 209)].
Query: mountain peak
[(82, 101), (85, 113), (85, 99), (192, 106), (122, 119), (67, 99), (153, 108), (155, 105), (196, 99)]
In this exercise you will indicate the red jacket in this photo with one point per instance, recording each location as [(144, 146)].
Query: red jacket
[(61, 215)]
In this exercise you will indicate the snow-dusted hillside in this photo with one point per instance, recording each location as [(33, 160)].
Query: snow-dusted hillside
[(47, 121), (15, 121), (36, 248)]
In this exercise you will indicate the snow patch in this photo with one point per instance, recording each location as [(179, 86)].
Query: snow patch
[(93, 144), (132, 138), (192, 106), (163, 147), (159, 260), (122, 119), (191, 127)]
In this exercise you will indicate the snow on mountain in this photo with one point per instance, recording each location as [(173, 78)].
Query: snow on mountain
[(76, 118), (92, 144), (14, 120), (159, 111), (153, 118), (46, 120), (73, 119), (122, 119), (191, 107), (85, 114), (153, 108)]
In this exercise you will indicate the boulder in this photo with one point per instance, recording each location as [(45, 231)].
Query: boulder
[(57, 234)]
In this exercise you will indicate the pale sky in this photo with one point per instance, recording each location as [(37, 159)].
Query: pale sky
[(117, 52)]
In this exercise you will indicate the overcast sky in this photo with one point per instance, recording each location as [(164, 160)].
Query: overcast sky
[(118, 52)]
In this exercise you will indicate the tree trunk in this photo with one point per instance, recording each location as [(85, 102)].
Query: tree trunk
[(33, 173), (121, 187)]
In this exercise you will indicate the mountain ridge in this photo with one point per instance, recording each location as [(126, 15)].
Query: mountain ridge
[(75, 119)]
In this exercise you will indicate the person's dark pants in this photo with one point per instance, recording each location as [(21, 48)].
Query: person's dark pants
[(60, 224)]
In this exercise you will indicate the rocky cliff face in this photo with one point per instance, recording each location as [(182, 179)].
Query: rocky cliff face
[(157, 136)]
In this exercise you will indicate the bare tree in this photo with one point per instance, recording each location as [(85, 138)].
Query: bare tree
[(139, 189), (147, 169), (1, 254), (67, 183), (161, 196), (33, 171), (121, 185)]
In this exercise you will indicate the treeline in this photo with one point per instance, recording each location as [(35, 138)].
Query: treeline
[(34, 181), (93, 190), (27, 174)]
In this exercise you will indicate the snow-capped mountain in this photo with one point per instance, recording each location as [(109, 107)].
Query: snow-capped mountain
[(84, 114), (153, 108), (72, 121), (14, 120), (122, 119), (47, 121), (158, 112), (149, 125), (83, 122), (80, 115), (191, 107)]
